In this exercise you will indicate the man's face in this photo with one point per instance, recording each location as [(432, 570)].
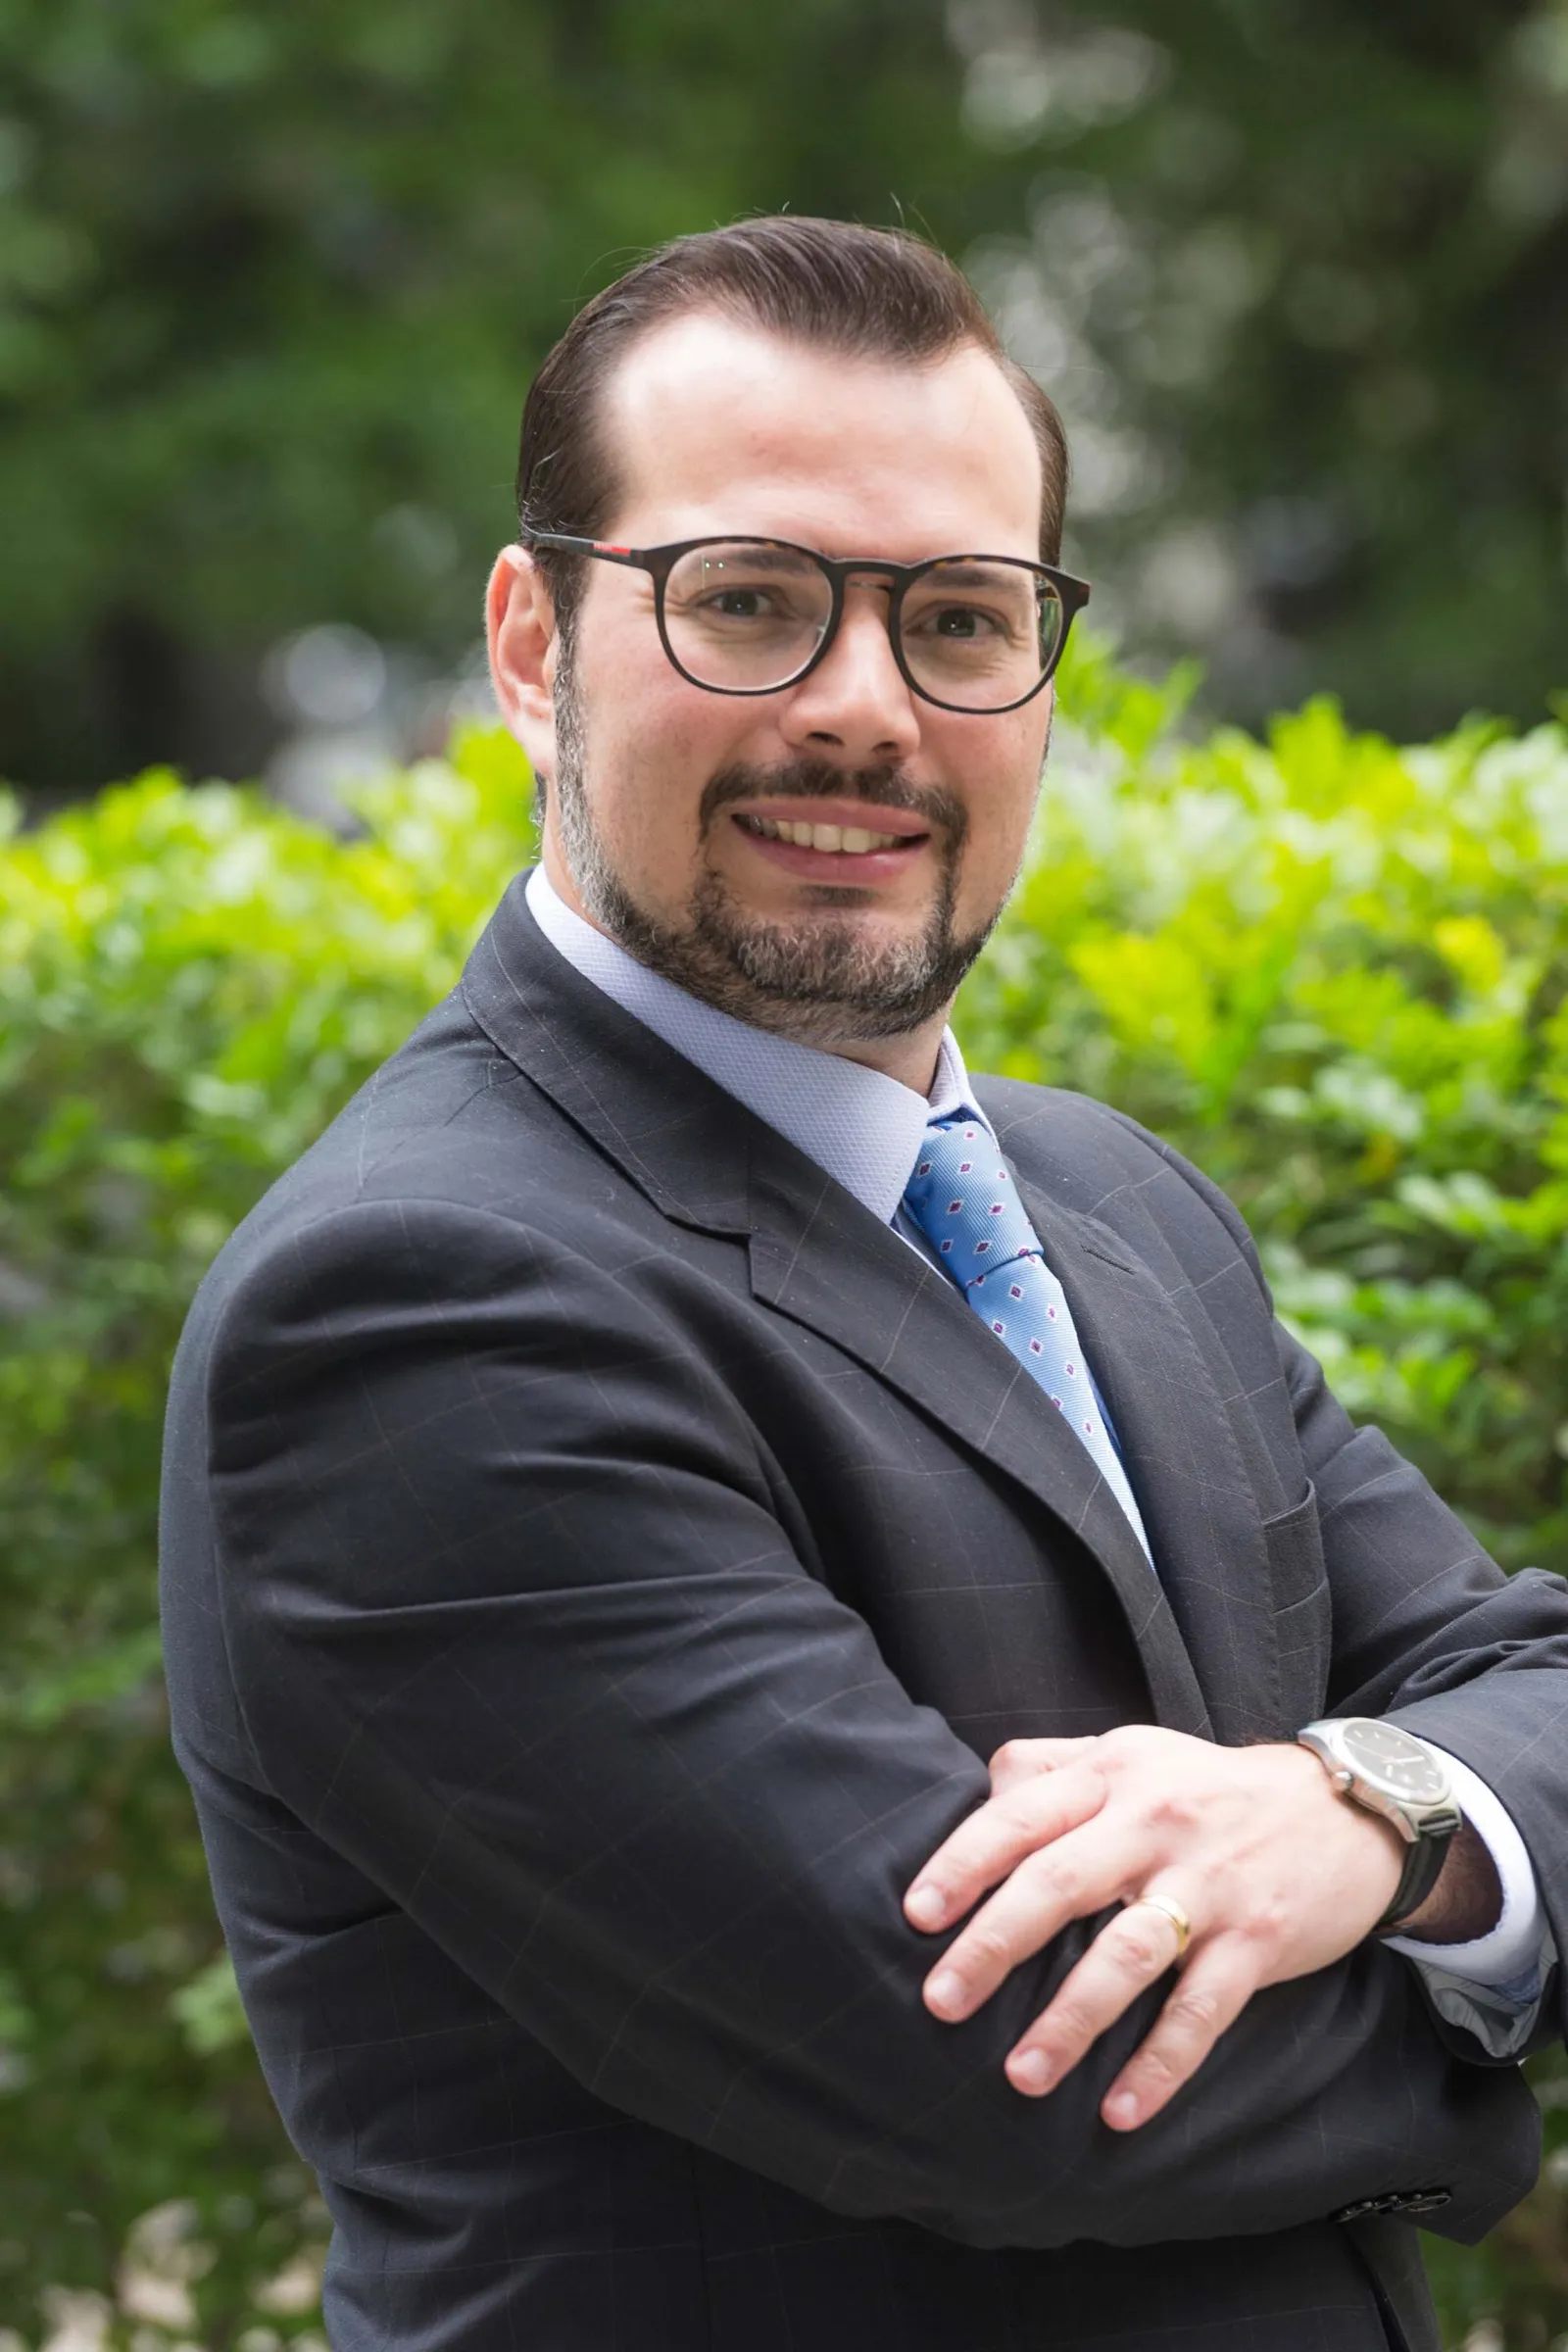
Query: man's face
[(666, 800)]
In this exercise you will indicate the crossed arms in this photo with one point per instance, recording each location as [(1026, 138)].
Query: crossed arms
[(517, 1630)]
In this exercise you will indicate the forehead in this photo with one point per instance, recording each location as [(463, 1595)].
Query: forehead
[(713, 425)]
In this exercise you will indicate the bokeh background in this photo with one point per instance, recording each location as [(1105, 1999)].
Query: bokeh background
[(272, 279)]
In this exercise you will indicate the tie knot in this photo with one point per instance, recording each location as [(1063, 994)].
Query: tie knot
[(962, 1197)]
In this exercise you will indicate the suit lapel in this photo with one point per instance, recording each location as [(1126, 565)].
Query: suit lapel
[(1182, 1460), (680, 1139), (819, 1258)]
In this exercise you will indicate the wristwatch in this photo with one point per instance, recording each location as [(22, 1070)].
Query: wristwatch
[(1392, 1773)]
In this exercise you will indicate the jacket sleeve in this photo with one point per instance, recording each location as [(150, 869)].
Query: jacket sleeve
[(1427, 1628), (515, 1629), (1429, 1631)]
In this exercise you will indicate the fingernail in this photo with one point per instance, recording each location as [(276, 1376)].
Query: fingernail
[(1030, 2073), (945, 1994), (1121, 2109), (926, 1906)]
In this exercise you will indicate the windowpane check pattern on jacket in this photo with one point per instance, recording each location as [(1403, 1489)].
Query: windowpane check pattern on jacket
[(963, 1200)]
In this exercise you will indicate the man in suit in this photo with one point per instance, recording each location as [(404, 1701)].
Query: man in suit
[(675, 1428)]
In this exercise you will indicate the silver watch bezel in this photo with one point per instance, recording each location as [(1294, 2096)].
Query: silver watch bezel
[(1414, 1818)]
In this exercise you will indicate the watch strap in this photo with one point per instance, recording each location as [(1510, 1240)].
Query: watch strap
[(1423, 1867)]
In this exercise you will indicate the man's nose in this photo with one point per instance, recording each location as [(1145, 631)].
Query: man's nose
[(856, 701)]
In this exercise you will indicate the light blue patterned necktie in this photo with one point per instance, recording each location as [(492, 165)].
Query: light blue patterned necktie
[(963, 1200)]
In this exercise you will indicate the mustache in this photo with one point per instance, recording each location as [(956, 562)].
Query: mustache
[(819, 780)]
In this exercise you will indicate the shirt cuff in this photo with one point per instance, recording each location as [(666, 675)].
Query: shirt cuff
[(1513, 1953)]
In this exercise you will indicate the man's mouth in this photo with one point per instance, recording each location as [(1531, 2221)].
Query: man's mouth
[(847, 841)]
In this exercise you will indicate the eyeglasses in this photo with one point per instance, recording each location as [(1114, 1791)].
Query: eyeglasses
[(973, 633)]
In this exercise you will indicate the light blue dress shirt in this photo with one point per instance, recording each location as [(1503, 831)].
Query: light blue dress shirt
[(864, 1129)]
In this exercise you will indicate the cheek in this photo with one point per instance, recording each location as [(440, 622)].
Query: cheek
[(652, 744), (1002, 786)]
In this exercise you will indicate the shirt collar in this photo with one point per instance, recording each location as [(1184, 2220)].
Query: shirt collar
[(859, 1126)]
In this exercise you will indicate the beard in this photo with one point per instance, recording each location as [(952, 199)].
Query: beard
[(821, 978)]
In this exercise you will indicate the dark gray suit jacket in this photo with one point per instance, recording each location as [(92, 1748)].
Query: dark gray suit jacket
[(598, 1557)]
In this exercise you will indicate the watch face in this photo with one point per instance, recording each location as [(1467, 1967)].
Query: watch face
[(1395, 1761)]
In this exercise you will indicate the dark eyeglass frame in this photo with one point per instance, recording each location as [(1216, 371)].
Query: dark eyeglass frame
[(660, 561)]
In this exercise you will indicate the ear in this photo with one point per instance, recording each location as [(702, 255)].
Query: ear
[(520, 626)]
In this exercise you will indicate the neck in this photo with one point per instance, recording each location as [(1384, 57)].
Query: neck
[(911, 1059)]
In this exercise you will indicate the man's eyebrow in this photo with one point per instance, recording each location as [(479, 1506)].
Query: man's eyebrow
[(974, 572)]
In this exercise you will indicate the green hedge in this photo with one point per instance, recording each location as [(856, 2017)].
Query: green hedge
[(1333, 972)]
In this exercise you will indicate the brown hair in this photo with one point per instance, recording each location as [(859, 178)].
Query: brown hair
[(869, 293)]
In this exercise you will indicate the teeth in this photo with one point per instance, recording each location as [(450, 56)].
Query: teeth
[(853, 841)]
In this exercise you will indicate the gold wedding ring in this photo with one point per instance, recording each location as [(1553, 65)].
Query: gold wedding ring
[(1173, 1912)]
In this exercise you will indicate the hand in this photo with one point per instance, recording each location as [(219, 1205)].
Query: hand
[(1277, 1874)]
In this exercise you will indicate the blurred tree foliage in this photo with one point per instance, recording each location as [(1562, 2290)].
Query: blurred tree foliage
[(274, 272), (1298, 270), (274, 278), (1334, 971)]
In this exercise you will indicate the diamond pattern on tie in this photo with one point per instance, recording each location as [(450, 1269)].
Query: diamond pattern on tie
[(982, 1233)]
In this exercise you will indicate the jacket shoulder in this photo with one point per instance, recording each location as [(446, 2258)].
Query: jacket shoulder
[(446, 1135)]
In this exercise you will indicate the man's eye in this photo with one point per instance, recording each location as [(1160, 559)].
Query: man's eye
[(965, 622), (744, 603)]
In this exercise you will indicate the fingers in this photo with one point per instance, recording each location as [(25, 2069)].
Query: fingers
[(1133, 1951), (997, 1836), (1214, 1989), (1079, 1874), (1026, 1759)]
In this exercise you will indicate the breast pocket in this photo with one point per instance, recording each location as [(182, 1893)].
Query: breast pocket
[(1304, 1627)]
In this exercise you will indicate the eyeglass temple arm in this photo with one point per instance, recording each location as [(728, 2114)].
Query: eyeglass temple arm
[(582, 547)]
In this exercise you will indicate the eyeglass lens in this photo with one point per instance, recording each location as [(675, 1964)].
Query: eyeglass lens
[(745, 617)]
